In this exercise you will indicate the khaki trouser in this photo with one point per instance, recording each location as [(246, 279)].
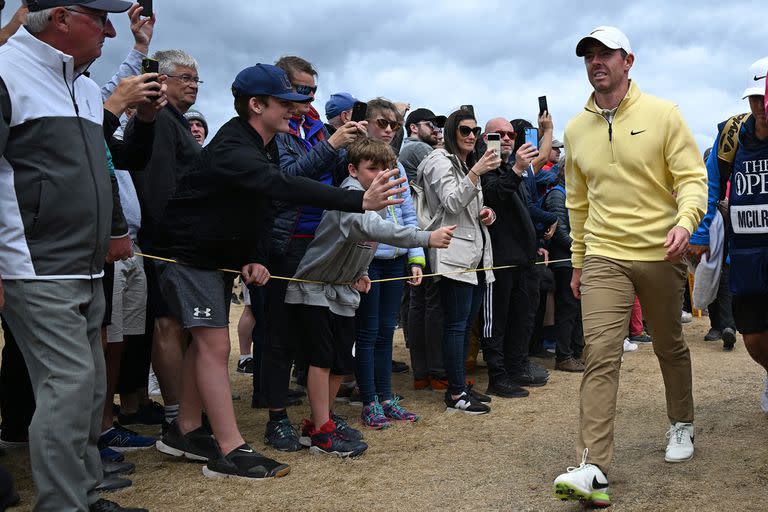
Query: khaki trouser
[(608, 288)]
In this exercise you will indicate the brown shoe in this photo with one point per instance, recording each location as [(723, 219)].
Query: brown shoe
[(438, 384), (570, 365), (421, 383)]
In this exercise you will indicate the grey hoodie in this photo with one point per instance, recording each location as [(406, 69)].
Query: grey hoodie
[(340, 253)]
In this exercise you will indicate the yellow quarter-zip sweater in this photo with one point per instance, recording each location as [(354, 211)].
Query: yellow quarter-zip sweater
[(629, 182)]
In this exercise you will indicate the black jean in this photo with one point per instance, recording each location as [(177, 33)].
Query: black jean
[(425, 330), (17, 401), (567, 315)]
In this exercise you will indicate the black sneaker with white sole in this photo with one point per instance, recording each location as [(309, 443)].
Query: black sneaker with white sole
[(729, 338), (245, 462), (465, 403), (195, 445), (477, 395)]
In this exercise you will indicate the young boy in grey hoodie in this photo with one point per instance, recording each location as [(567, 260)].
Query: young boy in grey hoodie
[(334, 270)]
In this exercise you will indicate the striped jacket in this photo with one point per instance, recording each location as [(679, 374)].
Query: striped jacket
[(55, 192)]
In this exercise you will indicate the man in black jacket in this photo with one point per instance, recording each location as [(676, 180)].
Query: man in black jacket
[(514, 241), (220, 218)]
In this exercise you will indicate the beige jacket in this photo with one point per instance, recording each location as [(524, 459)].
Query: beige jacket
[(453, 199)]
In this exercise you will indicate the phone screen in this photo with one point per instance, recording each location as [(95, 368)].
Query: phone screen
[(493, 141), (532, 136), (543, 104)]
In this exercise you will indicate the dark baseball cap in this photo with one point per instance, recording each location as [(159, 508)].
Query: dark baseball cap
[(424, 114), (266, 80), (339, 102), (99, 5)]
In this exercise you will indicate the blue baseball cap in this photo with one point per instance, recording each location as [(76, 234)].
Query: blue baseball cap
[(99, 5), (266, 80), (339, 102)]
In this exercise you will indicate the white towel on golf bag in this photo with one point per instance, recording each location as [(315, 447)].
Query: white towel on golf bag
[(707, 277)]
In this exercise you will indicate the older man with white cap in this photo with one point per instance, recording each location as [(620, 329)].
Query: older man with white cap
[(55, 211), (636, 191), (740, 157)]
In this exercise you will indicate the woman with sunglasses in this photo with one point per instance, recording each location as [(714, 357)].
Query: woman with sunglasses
[(450, 177), (377, 315)]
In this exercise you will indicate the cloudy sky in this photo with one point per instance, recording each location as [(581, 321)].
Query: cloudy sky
[(497, 55)]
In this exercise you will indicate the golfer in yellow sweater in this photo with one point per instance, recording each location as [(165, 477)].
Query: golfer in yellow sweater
[(637, 188)]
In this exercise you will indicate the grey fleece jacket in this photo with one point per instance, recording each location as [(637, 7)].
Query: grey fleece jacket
[(340, 253)]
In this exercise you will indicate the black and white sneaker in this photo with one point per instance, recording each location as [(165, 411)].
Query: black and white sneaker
[(465, 403), (477, 395), (245, 366), (196, 445), (245, 462)]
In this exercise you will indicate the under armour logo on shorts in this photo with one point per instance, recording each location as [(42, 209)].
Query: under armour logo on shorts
[(202, 313)]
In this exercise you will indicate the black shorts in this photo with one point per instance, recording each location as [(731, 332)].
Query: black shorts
[(196, 297), (751, 313), (327, 338)]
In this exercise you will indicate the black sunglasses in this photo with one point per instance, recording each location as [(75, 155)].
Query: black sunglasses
[(306, 90), (466, 130)]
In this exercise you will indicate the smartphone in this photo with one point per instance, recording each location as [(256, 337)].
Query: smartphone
[(493, 141), (359, 111), (150, 66), (543, 105), (147, 8), (532, 136)]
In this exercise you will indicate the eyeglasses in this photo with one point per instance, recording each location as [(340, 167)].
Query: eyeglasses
[(187, 79), (429, 124), (306, 90), (104, 18), (503, 134), (466, 130), (383, 123)]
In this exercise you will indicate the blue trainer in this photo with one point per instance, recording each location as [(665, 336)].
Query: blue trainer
[(121, 439)]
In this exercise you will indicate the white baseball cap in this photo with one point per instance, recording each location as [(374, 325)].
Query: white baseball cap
[(611, 37), (756, 78)]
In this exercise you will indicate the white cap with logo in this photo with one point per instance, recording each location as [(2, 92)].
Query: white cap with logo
[(756, 78), (611, 37)]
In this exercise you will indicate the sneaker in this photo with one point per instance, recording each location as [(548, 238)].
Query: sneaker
[(680, 445), (438, 383), (245, 366), (686, 317), (629, 346), (713, 335), (729, 338), (345, 429), (527, 378), (373, 416), (538, 371), (505, 388), (328, 440), (123, 440), (153, 386), (643, 337), (195, 445), (118, 468), (586, 483), (110, 506), (281, 435), (394, 411), (476, 394), (151, 413), (764, 398), (112, 483), (465, 403), (399, 367), (570, 364), (109, 455), (245, 462)]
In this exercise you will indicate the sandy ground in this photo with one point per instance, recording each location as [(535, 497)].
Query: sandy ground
[(505, 460)]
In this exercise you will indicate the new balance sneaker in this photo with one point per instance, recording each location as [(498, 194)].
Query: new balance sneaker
[(373, 416), (103, 505), (643, 337), (505, 388), (729, 338), (345, 429), (680, 445), (586, 483), (195, 445), (151, 413), (281, 435), (394, 411), (465, 403), (476, 394), (123, 440), (328, 440), (109, 455), (245, 366), (245, 462), (629, 346)]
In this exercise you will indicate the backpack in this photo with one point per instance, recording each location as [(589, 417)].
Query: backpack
[(727, 146)]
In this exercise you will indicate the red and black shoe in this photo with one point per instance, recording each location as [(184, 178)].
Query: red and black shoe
[(328, 440)]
